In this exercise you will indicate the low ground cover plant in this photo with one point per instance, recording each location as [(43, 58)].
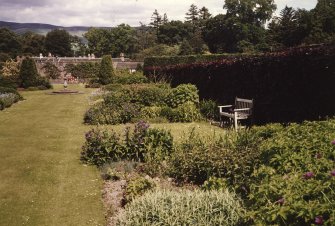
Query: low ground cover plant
[(8, 96), (164, 207)]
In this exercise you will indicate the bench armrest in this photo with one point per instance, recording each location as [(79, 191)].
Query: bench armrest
[(224, 106), (242, 109)]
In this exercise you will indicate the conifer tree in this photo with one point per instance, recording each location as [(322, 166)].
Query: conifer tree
[(192, 15), (106, 71), (28, 75)]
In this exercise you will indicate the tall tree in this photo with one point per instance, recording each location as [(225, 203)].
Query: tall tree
[(99, 41), (58, 42), (289, 29), (192, 16), (9, 43), (33, 43), (323, 22), (165, 19), (156, 21), (174, 32), (123, 40), (146, 38), (255, 12), (204, 14)]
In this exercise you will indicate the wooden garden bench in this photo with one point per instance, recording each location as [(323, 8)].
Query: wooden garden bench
[(240, 111)]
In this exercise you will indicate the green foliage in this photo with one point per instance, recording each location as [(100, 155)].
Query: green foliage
[(33, 43), (106, 72), (131, 78), (83, 70), (10, 43), (142, 144), (120, 39), (123, 103), (160, 61), (137, 187), (158, 50), (101, 147), (51, 70), (185, 48), (8, 99), (182, 94), (28, 73), (150, 112), (209, 110), (214, 183), (294, 185), (58, 43), (186, 112), (232, 156), (183, 208)]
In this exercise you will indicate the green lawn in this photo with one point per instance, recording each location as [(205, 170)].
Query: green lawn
[(42, 181)]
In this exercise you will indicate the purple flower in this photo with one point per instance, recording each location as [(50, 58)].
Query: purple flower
[(281, 201), (319, 220), (332, 173), (333, 142), (308, 175)]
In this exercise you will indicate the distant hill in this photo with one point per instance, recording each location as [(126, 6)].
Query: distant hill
[(42, 29)]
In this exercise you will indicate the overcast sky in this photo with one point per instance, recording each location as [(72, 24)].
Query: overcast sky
[(111, 12)]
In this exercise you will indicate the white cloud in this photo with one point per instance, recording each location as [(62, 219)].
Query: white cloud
[(111, 12)]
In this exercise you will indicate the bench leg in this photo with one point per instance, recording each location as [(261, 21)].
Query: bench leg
[(235, 121)]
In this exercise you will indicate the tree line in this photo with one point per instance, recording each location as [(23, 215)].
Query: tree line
[(245, 26)]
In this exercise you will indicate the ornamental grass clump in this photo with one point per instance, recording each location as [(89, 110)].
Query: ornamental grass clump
[(162, 207)]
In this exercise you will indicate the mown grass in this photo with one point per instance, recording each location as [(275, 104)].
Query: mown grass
[(42, 179)]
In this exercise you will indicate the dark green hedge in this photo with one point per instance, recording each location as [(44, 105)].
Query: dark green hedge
[(177, 60), (294, 85)]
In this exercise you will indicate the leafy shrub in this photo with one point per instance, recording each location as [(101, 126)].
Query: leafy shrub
[(142, 144), (182, 94), (93, 85), (232, 156), (209, 110), (150, 112), (186, 112), (101, 147), (145, 142), (295, 185), (106, 72), (152, 95), (135, 78), (7, 99), (29, 76), (183, 208), (214, 183), (137, 187)]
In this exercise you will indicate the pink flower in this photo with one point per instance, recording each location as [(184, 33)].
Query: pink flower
[(332, 173), (319, 220), (333, 142), (308, 175)]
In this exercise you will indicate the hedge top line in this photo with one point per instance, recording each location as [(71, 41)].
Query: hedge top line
[(154, 63)]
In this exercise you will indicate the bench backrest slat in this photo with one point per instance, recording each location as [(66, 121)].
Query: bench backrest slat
[(244, 103)]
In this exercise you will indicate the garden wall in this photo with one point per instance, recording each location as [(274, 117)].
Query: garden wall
[(290, 86)]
